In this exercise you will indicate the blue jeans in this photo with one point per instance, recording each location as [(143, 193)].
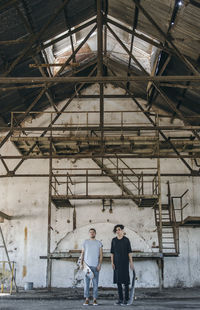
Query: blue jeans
[(95, 282)]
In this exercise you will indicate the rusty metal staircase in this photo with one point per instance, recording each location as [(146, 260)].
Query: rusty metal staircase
[(169, 232), (120, 178)]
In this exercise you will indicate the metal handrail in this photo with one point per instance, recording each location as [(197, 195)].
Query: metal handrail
[(182, 207), (121, 169), (172, 216)]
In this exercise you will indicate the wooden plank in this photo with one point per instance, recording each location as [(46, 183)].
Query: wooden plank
[(78, 197), (71, 254), (191, 221)]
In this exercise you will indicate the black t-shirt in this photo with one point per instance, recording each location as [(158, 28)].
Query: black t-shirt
[(120, 248)]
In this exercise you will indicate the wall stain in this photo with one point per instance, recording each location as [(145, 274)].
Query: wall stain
[(25, 233), (24, 272)]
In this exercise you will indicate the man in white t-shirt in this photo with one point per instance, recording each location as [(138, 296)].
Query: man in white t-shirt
[(92, 255)]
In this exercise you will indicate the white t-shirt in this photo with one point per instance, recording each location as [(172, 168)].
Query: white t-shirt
[(91, 252)]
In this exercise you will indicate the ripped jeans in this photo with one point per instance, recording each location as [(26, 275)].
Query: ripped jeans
[(95, 282)]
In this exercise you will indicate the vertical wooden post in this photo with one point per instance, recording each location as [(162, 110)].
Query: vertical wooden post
[(159, 190), (49, 261), (100, 64), (86, 182)]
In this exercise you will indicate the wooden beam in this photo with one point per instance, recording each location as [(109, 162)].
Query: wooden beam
[(98, 79), (35, 39)]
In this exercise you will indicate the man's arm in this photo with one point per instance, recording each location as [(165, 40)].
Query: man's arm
[(131, 261), (100, 258), (82, 258)]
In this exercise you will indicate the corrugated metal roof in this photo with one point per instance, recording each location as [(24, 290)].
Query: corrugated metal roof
[(161, 11), (184, 34), (186, 31)]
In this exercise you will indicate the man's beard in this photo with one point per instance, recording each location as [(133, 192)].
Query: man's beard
[(93, 237)]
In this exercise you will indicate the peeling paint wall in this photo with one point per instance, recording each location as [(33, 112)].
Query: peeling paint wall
[(26, 199)]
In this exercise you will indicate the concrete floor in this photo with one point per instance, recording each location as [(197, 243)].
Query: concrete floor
[(103, 304), (147, 299)]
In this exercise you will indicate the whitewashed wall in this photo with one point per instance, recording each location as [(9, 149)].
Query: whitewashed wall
[(26, 199)]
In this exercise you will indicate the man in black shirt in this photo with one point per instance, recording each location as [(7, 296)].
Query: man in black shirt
[(120, 258)]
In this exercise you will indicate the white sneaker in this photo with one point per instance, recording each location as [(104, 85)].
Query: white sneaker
[(86, 303), (95, 303)]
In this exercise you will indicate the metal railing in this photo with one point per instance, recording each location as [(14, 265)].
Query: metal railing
[(65, 180), (172, 216), (182, 206), (84, 118)]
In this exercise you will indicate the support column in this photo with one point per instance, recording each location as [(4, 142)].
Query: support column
[(49, 261), (159, 191), (100, 63)]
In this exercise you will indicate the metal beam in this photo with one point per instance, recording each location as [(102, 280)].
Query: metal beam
[(125, 196), (27, 20), (177, 111), (70, 34), (97, 155), (37, 175), (100, 63), (106, 128), (35, 38), (46, 87), (64, 36), (4, 164), (154, 124), (97, 79), (127, 50), (5, 216), (99, 39), (135, 21), (140, 36), (55, 118), (162, 93)]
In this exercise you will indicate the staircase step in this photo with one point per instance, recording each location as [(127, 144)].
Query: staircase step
[(148, 202), (163, 214), (174, 254), (168, 227), (167, 214), (168, 232), (168, 238), (166, 224), (164, 206)]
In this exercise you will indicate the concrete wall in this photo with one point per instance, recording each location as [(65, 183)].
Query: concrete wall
[(26, 199)]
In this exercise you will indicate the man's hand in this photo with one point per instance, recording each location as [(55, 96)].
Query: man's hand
[(99, 267), (131, 266), (113, 266)]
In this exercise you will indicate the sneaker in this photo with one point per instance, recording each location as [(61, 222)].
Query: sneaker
[(86, 303), (95, 303), (125, 303), (118, 303)]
